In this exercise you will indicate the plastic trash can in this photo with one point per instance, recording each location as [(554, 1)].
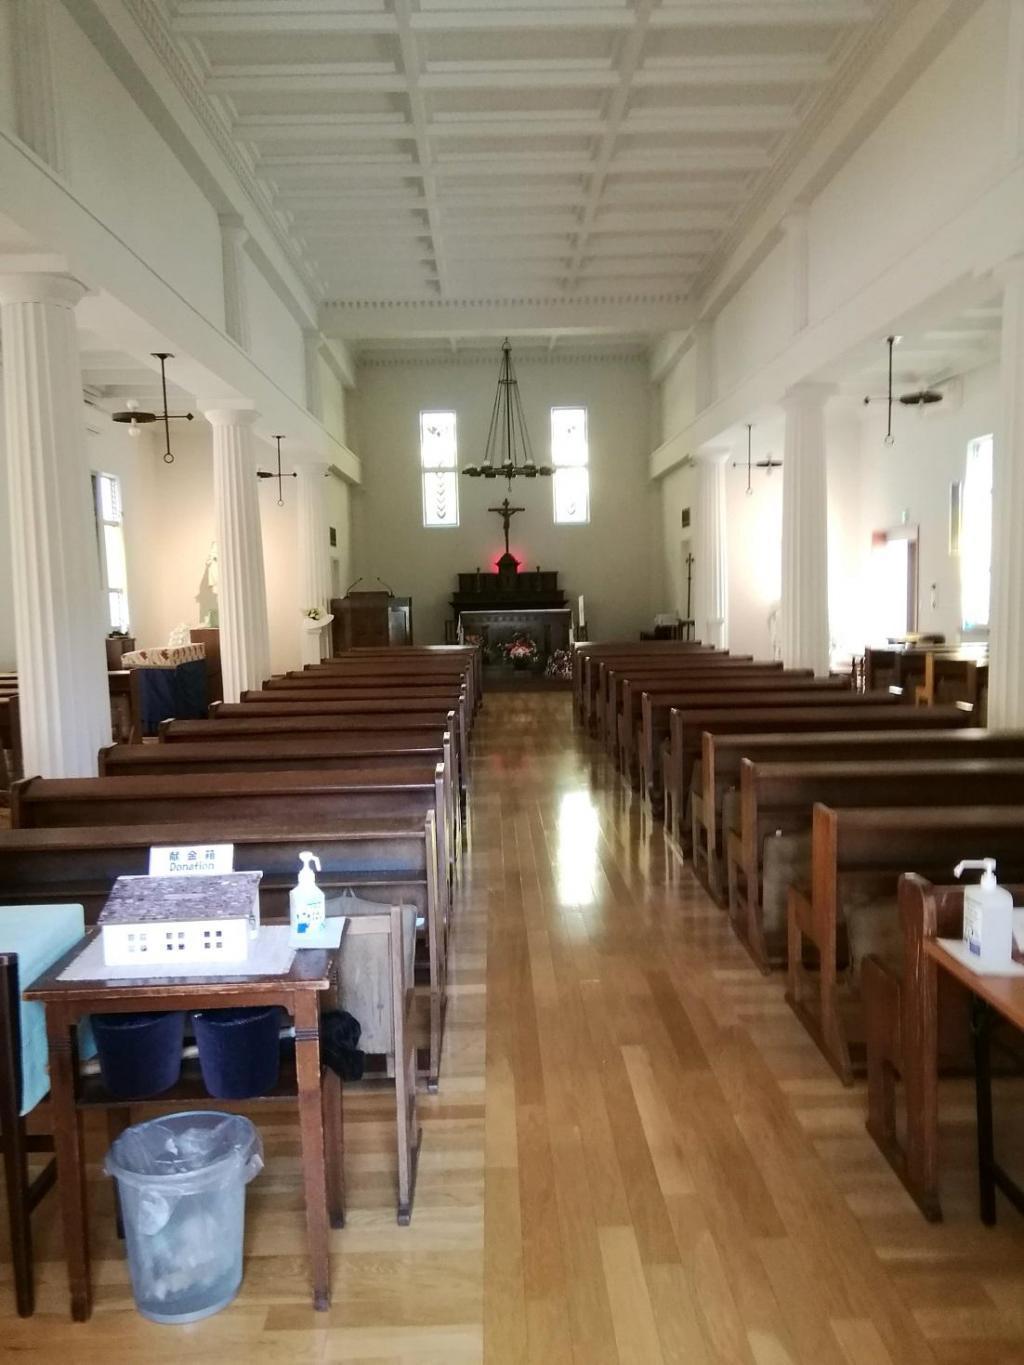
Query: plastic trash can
[(181, 1181)]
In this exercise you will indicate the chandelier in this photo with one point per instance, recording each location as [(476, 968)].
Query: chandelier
[(508, 453)]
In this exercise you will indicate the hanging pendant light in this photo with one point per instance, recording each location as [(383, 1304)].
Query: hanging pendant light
[(135, 418), (279, 476), (508, 453)]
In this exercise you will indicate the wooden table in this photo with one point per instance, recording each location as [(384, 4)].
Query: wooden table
[(991, 996), (319, 1097)]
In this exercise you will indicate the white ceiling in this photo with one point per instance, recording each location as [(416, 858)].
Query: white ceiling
[(469, 150)]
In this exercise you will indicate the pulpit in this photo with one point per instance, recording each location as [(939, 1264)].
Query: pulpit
[(370, 619)]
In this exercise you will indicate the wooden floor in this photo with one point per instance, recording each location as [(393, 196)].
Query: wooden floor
[(637, 1155)]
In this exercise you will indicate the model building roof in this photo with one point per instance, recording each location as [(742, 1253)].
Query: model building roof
[(154, 900)]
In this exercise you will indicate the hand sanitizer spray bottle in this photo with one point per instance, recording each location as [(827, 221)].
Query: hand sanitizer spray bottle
[(988, 917), (306, 902)]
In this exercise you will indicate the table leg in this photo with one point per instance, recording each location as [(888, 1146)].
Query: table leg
[(334, 1146), (981, 1028), (67, 1141), (307, 1066)]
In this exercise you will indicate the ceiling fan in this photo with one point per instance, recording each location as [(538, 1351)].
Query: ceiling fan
[(135, 418), (917, 398), (768, 463)]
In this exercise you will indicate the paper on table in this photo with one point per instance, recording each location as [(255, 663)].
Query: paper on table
[(327, 936), (270, 954), (958, 949)]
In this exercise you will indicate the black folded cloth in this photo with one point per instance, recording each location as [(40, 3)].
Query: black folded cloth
[(339, 1035)]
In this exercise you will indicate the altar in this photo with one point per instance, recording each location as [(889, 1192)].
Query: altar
[(549, 627), (519, 619)]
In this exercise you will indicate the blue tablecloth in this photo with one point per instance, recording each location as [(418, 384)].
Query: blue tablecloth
[(39, 934)]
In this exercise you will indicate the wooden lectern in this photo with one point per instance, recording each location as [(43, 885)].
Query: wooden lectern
[(370, 619)]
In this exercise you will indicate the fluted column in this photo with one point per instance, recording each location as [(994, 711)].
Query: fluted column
[(1006, 619), (314, 556), (242, 591), (59, 623), (233, 237), (711, 606), (805, 637), (36, 106)]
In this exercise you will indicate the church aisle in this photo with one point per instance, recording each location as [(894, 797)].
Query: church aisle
[(642, 1159), (673, 1174)]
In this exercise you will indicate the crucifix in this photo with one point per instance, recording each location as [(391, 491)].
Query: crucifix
[(506, 511)]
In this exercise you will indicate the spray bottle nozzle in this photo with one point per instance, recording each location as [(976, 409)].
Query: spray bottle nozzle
[(308, 860), (988, 866)]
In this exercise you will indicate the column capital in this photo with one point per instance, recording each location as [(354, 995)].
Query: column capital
[(808, 394), (233, 228), (39, 286), (230, 417)]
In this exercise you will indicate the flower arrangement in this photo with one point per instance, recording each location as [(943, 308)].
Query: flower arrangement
[(520, 651), (559, 665), (314, 613)]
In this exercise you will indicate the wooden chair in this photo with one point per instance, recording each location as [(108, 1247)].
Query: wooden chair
[(22, 1192)]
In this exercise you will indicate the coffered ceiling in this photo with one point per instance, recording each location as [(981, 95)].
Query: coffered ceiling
[(466, 150)]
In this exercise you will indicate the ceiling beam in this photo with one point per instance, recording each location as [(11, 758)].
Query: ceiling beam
[(418, 110)]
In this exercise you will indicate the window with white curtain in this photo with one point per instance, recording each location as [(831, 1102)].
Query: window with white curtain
[(106, 490), (976, 535), (439, 465), (570, 456)]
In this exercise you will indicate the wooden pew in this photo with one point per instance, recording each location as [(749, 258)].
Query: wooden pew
[(459, 671), (625, 680), (751, 680), (586, 656), (446, 698), (776, 800), (860, 853), (389, 860), (471, 657), (656, 733), (613, 673), (10, 740), (704, 661), (294, 754), (686, 729), (719, 770), (917, 1022), (336, 715)]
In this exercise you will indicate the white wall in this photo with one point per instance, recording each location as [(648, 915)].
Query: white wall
[(615, 561), (120, 167), (275, 338), (914, 476)]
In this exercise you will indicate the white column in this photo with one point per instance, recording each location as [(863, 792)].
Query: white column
[(242, 592), (314, 554), (312, 341), (805, 638), (712, 595), (36, 107), (59, 623), (233, 237), (1006, 621), (794, 227)]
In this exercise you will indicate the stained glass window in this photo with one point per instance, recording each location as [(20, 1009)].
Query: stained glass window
[(439, 461), (570, 456)]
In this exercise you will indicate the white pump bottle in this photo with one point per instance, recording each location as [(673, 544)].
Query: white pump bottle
[(306, 901), (988, 916)]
